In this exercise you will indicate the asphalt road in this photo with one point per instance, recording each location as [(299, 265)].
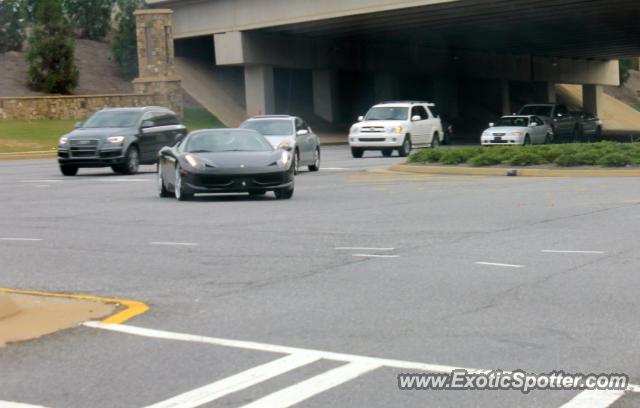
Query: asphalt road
[(456, 271)]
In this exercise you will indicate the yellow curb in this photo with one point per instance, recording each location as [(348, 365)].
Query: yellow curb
[(132, 309), (522, 172)]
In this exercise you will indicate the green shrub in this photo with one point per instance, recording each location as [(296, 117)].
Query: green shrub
[(426, 156), (485, 159), (123, 46), (52, 68), (91, 17), (587, 158), (454, 156), (614, 160), (527, 157), (12, 19), (566, 160)]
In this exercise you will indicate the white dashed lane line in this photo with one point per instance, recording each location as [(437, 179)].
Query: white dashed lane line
[(174, 243), (375, 256), (21, 239), (560, 251), (363, 249), (499, 264)]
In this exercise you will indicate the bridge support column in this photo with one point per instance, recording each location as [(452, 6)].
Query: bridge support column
[(505, 97), (325, 94), (386, 87), (259, 90), (592, 99)]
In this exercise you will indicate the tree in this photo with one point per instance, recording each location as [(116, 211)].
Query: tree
[(124, 45), (625, 66), (52, 68), (12, 20), (91, 17)]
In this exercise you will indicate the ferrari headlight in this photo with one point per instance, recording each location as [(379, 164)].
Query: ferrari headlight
[(285, 159), (115, 139), (395, 129), (63, 141), (192, 161)]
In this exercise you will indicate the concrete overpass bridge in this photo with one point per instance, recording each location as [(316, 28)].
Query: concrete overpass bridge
[(337, 57)]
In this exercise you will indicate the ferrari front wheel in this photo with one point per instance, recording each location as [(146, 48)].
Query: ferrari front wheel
[(284, 193)]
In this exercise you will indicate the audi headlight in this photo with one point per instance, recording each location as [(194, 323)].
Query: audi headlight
[(115, 139), (63, 141), (395, 129)]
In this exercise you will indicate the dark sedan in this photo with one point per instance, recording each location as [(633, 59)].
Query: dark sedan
[(224, 161)]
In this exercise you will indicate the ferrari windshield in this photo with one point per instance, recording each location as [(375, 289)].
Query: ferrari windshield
[(112, 119), (270, 127), (513, 121), (215, 141), (387, 113)]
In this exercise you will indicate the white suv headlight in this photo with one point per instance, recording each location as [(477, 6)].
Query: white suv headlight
[(354, 129), (395, 129)]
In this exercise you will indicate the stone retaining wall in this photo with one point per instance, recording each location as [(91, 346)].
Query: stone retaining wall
[(74, 107)]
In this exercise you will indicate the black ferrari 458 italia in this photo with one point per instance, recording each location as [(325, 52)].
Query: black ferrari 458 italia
[(224, 161)]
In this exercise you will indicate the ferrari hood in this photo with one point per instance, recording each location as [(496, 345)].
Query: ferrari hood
[(236, 160)]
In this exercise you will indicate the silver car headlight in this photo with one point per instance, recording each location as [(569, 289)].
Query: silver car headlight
[(63, 141)]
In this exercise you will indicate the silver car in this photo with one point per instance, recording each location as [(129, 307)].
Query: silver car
[(517, 130), (291, 133)]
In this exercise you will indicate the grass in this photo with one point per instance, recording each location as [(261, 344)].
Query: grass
[(606, 154), (41, 135)]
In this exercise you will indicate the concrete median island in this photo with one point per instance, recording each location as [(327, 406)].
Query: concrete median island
[(553, 160), (27, 317)]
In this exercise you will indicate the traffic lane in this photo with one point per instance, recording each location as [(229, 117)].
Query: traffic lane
[(85, 367)]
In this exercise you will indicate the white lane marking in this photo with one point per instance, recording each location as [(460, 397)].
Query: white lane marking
[(245, 379), (334, 168), (594, 399), (122, 179), (272, 348), (9, 404), (21, 239), (306, 389), (174, 243), (374, 256), (499, 264), (561, 251), (363, 249)]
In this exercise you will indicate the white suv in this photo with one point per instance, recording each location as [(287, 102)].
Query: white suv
[(398, 126)]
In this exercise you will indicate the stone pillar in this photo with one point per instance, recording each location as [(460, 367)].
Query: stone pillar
[(325, 94), (551, 92), (386, 87), (156, 70), (592, 99), (259, 90), (505, 97)]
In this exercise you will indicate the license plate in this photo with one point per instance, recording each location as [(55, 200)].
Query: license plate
[(497, 139)]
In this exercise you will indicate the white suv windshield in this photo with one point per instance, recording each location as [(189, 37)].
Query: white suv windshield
[(387, 113), (279, 127)]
